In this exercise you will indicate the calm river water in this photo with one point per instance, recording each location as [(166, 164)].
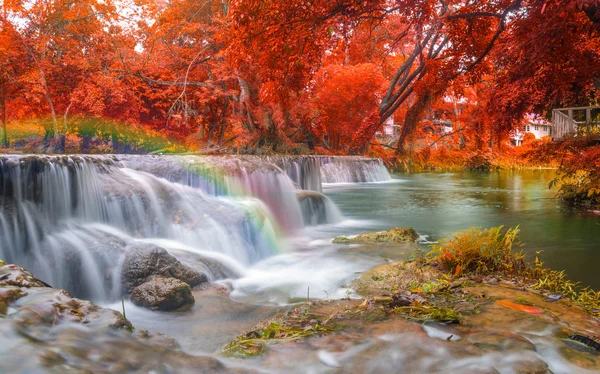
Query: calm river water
[(436, 204)]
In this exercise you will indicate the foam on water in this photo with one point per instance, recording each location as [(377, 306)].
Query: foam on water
[(69, 219)]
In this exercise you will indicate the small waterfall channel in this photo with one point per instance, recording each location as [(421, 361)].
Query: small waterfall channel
[(70, 219)]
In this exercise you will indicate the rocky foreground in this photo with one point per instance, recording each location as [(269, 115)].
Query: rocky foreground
[(471, 306), (430, 315), (43, 329)]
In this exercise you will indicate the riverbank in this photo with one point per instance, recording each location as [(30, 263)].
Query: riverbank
[(478, 309), (470, 305), (244, 239)]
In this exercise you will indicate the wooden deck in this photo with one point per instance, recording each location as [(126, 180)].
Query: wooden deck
[(571, 121)]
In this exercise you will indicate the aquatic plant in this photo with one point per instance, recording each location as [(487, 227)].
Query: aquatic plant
[(555, 282), (296, 324), (477, 251), (480, 251)]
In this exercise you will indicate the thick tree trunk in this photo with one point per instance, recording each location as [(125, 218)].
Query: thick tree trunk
[(221, 134), (245, 101), (412, 119), (211, 129), (50, 102), (271, 135)]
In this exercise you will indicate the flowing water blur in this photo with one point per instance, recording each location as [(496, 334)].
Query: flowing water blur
[(265, 221)]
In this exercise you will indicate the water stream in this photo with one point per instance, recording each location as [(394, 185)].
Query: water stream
[(267, 221)]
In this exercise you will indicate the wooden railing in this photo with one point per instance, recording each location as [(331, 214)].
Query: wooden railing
[(567, 121)]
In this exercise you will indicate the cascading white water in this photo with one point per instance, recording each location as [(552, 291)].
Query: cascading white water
[(70, 219), (353, 170), (228, 176), (52, 208), (310, 172)]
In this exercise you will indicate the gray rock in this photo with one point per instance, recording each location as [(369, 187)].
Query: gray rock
[(34, 303), (145, 261), (163, 294)]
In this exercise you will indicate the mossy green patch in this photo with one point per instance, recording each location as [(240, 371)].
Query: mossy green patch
[(294, 325), (396, 235), (397, 277)]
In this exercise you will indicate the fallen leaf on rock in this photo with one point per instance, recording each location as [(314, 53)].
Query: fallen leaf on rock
[(523, 308)]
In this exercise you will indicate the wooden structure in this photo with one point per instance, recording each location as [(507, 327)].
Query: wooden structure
[(569, 121)]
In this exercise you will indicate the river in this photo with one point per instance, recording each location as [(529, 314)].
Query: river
[(437, 204), (71, 220)]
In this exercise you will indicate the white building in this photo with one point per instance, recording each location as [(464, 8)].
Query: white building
[(390, 129), (536, 125)]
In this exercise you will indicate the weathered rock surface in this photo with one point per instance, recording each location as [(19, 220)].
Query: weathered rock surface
[(145, 261), (43, 329), (395, 235), (163, 294), (402, 325), (30, 301)]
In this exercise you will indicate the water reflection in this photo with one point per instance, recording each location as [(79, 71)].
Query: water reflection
[(439, 203)]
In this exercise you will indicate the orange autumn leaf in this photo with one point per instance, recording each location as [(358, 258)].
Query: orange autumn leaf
[(523, 308), (457, 271)]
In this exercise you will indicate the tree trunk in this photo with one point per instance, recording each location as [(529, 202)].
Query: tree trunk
[(221, 134), (85, 143), (272, 138), (116, 147), (211, 129), (412, 119), (50, 102), (245, 100), (462, 144), (3, 133)]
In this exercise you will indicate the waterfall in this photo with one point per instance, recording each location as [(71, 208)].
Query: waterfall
[(70, 219), (310, 172), (353, 170)]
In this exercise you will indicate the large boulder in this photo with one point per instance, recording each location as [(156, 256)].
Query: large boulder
[(146, 261), (163, 294)]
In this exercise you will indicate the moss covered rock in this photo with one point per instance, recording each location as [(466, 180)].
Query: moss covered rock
[(163, 294), (395, 235)]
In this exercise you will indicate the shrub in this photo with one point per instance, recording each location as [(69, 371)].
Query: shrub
[(480, 251)]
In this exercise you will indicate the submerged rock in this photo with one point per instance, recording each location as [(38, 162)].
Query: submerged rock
[(395, 235), (163, 294), (145, 261)]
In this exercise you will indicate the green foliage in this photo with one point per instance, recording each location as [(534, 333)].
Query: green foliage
[(253, 343), (556, 282), (487, 251), (480, 251), (578, 189), (424, 313)]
